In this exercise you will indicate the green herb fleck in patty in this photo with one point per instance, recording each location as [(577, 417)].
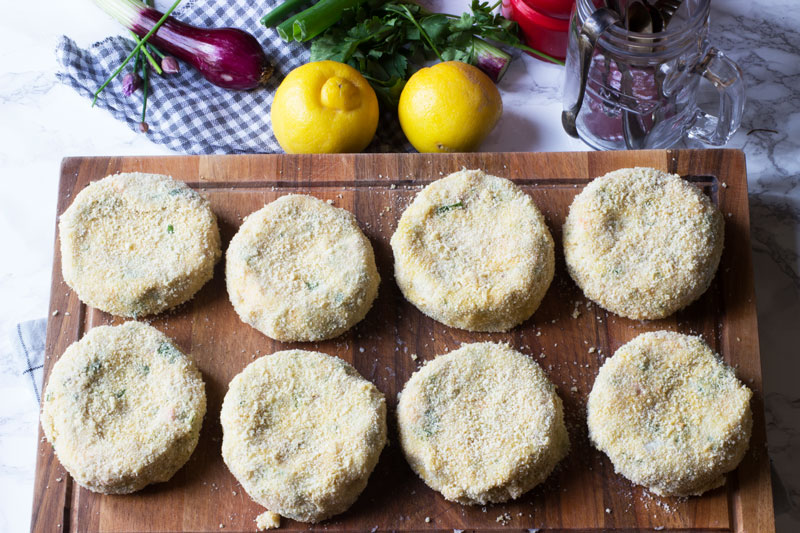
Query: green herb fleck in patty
[(169, 352), (445, 208)]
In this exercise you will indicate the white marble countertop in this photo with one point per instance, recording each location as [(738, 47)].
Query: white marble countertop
[(42, 121)]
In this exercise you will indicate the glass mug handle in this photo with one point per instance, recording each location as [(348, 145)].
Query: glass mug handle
[(727, 77)]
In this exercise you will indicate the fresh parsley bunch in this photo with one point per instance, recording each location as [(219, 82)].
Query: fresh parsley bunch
[(387, 41)]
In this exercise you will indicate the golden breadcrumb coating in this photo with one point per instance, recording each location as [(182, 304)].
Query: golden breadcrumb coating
[(481, 424), (301, 270), (473, 252), (137, 244), (302, 432), (643, 243), (123, 408), (670, 414)]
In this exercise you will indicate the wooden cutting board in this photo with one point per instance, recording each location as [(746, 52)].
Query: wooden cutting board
[(583, 494)]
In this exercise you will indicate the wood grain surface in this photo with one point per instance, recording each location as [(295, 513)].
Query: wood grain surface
[(584, 494)]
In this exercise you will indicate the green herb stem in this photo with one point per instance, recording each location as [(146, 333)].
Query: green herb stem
[(536, 52), (274, 17), (311, 22), (149, 57), (422, 32), (156, 51), (137, 62), (136, 48), (285, 28), (145, 83), (445, 208)]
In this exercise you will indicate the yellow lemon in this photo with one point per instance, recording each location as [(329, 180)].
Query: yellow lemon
[(449, 107), (324, 107)]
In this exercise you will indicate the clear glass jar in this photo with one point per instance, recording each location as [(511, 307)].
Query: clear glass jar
[(641, 88)]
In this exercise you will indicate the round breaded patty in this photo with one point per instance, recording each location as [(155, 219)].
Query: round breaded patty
[(473, 252), (138, 244), (643, 243), (123, 408), (302, 432), (481, 424), (301, 270), (670, 414)]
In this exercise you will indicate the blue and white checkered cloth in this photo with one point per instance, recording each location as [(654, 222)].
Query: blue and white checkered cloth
[(27, 342), (186, 112)]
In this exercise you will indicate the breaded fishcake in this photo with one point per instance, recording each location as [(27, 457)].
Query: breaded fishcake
[(481, 424), (643, 243), (473, 252), (302, 432), (137, 244), (123, 408), (670, 414), (301, 270)]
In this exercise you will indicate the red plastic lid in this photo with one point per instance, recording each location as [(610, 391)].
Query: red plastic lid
[(559, 9), (544, 33)]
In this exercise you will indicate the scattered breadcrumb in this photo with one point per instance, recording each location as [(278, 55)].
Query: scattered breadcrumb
[(503, 519), (268, 520)]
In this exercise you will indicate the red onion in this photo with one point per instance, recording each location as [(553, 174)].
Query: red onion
[(227, 57)]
